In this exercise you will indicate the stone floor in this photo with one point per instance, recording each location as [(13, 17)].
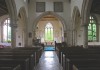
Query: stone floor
[(48, 61)]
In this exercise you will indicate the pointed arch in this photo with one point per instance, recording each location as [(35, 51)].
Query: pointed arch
[(6, 31), (76, 18), (50, 13), (13, 17), (49, 32), (93, 29), (85, 11), (22, 17)]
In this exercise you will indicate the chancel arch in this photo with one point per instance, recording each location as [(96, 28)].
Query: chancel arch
[(49, 29)]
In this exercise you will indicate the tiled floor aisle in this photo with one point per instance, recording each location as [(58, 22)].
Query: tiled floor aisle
[(48, 61)]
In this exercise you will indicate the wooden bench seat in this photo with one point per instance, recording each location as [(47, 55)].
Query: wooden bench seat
[(82, 63), (32, 54), (89, 68), (78, 53), (31, 59), (5, 66), (24, 63), (37, 54)]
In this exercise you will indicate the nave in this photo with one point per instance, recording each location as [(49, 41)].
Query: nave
[(48, 61)]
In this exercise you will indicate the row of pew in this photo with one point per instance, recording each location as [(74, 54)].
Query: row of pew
[(78, 58), (19, 58)]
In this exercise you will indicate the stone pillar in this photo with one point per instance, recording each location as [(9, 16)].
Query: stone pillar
[(25, 38), (34, 34), (85, 36), (13, 33), (74, 37), (33, 37), (65, 36), (11, 6), (25, 30)]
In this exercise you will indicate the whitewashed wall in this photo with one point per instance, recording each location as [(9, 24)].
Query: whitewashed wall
[(33, 15)]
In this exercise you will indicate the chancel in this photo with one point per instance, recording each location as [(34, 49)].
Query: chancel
[(49, 34)]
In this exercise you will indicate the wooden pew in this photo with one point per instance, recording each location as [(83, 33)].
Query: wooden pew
[(5, 66), (23, 62), (79, 56), (86, 67), (79, 52), (71, 50), (83, 63), (31, 59), (22, 53), (37, 51)]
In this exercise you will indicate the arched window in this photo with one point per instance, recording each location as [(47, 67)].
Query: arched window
[(49, 32), (92, 29), (6, 30)]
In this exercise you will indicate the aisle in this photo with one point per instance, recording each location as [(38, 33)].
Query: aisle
[(48, 61)]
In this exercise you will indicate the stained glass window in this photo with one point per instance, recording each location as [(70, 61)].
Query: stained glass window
[(6, 31), (49, 32), (92, 29)]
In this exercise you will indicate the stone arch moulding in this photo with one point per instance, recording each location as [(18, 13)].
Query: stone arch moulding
[(22, 13), (76, 24), (23, 16), (12, 9), (13, 17), (75, 14), (4, 17), (85, 12), (50, 13)]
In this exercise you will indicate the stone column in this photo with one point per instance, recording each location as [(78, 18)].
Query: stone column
[(13, 33), (25, 38), (34, 34), (73, 37), (65, 36), (85, 36), (32, 38), (11, 6)]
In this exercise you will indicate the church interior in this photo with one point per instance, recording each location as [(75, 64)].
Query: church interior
[(49, 34)]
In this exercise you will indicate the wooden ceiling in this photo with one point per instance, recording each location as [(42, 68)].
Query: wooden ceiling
[(95, 8), (3, 8), (49, 18)]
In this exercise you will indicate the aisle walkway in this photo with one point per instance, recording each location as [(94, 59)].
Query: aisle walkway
[(48, 61)]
